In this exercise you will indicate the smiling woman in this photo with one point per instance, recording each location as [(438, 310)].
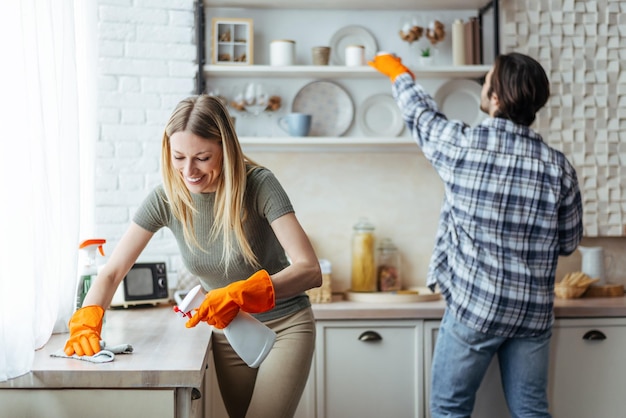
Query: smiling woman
[(41, 168)]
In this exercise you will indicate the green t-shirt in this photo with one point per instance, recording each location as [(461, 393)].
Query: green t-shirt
[(265, 200)]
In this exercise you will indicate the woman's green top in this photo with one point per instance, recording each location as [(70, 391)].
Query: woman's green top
[(265, 201)]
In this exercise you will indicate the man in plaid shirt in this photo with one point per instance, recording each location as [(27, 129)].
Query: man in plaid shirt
[(512, 205)]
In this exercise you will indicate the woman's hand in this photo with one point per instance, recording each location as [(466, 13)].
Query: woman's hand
[(221, 306), (85, 328)]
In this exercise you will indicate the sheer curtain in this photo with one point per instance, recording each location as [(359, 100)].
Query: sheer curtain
[(47, 102)]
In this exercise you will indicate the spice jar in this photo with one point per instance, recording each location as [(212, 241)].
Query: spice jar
[(363, 257), (388, 271)]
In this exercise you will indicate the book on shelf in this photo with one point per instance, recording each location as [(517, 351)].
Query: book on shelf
[(473, 45)]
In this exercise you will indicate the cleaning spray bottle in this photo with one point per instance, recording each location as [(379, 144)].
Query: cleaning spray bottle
[(88, 269), (248, 336)]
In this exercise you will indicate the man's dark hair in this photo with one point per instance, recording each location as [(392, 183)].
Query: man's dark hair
[(522, 87)]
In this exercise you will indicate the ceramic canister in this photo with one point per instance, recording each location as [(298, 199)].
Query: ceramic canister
[(355, 55), (282, 52)]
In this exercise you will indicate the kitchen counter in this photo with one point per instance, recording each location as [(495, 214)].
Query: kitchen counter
[(563, 308), (171, 359), (166, 355)]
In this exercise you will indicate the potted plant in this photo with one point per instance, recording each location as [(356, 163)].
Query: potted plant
[(425, 56)]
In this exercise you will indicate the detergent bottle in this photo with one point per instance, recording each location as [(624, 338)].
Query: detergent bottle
[(88, 269)]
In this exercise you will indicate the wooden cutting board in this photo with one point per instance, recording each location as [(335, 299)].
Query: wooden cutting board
[(603, 291)]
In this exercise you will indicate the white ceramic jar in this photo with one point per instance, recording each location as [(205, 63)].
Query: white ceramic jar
[(282, 52), (355, 55)]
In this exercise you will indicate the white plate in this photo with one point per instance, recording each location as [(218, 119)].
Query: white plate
[(422, 294), (329, 104), (379, 115), (460, 99), (351, 35)]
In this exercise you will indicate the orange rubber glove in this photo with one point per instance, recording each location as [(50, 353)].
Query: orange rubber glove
[(85, 328), (221, 306), (390, 65)]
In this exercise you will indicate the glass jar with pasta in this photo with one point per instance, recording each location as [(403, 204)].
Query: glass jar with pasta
[(363, 257)]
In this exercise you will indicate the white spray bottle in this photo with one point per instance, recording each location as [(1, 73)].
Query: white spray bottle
[(248, 336), (88, 269)]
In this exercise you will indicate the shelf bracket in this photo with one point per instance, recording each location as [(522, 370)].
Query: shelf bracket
[(200, 45), (493, 4)]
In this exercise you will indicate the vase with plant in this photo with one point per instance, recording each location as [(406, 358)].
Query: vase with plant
[(425, 56)]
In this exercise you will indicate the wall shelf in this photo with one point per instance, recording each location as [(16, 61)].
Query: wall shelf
[(335, 71), (324, 144), (349, 4)]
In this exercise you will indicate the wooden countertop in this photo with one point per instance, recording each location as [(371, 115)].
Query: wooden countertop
[(563, 308), (166, 355)]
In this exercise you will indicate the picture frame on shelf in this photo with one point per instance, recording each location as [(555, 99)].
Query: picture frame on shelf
[(232, 41)]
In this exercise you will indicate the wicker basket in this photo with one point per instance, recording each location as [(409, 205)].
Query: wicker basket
[(569, 292)]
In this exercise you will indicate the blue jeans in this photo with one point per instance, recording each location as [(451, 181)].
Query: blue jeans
[(460, 361)]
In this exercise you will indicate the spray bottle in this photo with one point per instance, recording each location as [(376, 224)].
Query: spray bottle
[(248, 336), (88, 269)]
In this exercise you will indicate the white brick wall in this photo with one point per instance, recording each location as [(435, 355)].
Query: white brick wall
[(147, 63)]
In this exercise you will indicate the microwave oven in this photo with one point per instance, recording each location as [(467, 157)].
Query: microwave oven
[(145, 283)]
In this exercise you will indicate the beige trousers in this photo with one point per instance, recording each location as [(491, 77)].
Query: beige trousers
[(274, 389)]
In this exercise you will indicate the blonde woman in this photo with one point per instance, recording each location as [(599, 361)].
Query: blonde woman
[(235, 228)]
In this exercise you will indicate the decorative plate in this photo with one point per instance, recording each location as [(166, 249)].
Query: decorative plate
[(460, 99), (379, 115), (329, 104), (351, 35)]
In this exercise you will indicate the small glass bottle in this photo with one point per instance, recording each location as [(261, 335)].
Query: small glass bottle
[(363, 257), (388, 272)]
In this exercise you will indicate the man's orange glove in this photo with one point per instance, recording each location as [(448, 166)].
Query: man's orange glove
[(390, 65), (85, 328), (221, 306)]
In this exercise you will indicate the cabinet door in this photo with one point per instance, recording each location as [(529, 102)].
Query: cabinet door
[(369, 369), (490, 400), (588, 375)]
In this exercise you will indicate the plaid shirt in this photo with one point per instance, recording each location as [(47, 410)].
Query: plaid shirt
[(512, 205)]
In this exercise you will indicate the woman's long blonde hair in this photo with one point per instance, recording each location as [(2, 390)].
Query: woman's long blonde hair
[(206, 117)]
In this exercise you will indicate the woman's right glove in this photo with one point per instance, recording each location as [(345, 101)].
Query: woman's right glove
[(389, 65), (85, 328), (221, 306)]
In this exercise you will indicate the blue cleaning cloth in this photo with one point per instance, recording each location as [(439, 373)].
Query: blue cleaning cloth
[(105, 355)]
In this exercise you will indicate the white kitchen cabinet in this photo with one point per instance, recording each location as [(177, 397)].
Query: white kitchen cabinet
[(587, 371), (588, 368), (369, 368)]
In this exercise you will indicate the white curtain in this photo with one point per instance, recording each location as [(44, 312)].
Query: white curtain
[(47, 129)]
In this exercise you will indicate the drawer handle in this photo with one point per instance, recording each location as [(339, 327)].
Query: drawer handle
[(594, 335), (195, 394), (370, 336)]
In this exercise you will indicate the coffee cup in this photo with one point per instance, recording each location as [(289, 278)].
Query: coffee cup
[(295, 124)]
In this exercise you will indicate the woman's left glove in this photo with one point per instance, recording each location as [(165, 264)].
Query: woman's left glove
[(85, 328), (221, 306)]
